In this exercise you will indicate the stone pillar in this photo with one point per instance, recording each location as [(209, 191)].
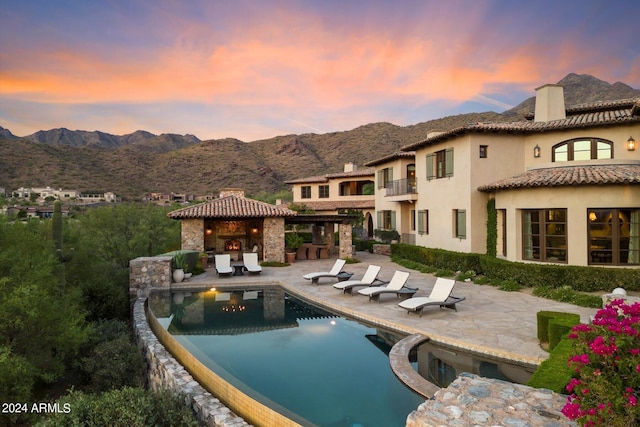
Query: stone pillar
[(329, 236), (346, 247), (149, 272), (316, 234), (192, 234), (273, 303), (274, 239)]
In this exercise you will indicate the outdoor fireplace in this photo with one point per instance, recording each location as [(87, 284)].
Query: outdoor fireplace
[(232, 245)]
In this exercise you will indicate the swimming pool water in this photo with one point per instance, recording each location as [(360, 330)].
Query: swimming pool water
[(328, 370)]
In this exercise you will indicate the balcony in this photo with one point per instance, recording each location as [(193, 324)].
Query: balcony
[(402, 190)]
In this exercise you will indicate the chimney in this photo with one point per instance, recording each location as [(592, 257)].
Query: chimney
[(225, 192), (549, 103), (350, 167)]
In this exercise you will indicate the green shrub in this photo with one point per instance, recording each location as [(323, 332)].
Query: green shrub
[(127, 407), (443, 272), (509, 286), (568, 295), (110, 358), (351, 260), (545, 316), (469, 274), (559, 328), (554, 373)]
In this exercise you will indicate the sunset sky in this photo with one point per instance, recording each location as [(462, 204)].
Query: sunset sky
[(257, 69)]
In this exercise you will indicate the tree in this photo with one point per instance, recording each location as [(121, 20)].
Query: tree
[(40, 325)]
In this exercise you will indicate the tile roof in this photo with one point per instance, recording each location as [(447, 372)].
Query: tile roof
[(336, 204), (392, 156), (578, 116), (325, 178), (569, 175), (232, 207)]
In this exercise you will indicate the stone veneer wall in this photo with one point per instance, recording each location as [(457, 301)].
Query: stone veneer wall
[(476, 401), (192, 234), (164, 372), (273, 238), (149, 272), (346, 245)]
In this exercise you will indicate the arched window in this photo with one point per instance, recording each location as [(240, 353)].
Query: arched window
[(582, 149)]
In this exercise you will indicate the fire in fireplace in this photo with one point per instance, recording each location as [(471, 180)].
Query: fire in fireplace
[(232, 245)]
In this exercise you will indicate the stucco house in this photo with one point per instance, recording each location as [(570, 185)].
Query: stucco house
[(332, 193), (566, 185)]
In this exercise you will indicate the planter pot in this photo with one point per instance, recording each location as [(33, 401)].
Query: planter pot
[(178, 275), (290, 257)]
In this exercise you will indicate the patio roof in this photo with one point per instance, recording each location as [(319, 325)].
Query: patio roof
[(232, 206), (319, 219)]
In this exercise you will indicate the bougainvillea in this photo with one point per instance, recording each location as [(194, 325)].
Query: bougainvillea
[(606, 386)]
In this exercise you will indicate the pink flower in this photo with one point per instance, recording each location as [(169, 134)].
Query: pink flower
[(581, 358), (571, 410)]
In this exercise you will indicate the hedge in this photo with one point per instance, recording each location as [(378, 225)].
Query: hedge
[(545, 317), (554, 373), (579, 278)]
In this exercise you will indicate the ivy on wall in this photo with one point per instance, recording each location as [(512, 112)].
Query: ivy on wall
[(492, 228)]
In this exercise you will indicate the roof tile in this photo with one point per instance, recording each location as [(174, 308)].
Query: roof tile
[(232, 207)]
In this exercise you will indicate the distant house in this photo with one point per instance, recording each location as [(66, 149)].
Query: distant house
[(565, 182)]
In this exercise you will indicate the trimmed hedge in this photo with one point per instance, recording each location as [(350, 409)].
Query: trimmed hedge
[(559, 328), (546, 317), (554, 373), (584, 279)]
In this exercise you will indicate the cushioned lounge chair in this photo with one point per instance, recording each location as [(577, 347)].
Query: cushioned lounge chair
[(251, 262), (396, 286), (335, 270), (440, 295), (223, 264), (369, 277)]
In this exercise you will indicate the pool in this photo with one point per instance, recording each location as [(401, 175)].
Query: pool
[(313, 366)]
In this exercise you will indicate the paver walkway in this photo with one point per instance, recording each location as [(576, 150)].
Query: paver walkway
[(490, 321)]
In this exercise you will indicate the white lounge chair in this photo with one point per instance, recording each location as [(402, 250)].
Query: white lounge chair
[(396, 286), (367, 280), (223, 264), (440, 295), (251, 262), (335, 270)]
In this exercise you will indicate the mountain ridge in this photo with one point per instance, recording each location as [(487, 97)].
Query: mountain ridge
[(140, 162)]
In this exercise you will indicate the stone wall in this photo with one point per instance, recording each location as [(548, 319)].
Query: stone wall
[(192, 234), (381, 249), (475, 401), (149, 272), (273, 239), (164, 372)]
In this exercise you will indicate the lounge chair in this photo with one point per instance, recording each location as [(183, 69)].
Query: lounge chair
[(369, 277), (251, 262), (223, 264), (335, 270), (440, 295), (396, 286)]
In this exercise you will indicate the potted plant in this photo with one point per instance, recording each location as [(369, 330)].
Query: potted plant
[(292, 241), (204, 258), (179, 264)]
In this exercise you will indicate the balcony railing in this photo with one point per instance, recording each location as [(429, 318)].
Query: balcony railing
[(401, 186)]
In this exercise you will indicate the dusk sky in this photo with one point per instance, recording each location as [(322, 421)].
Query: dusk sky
[(257, 69)]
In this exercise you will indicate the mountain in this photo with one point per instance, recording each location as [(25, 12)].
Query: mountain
[(141, 162)]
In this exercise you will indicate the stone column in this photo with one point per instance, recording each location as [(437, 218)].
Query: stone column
[(192, 234), (346, 247), (274, 239)]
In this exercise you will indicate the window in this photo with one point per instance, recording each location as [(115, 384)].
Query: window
[(460, 221), (614, 236), (483, 151), (385, 176), (582, 149), (305, 192), (440, 164), (323, 191), (387, 220), (423, 222), (544, 235), (412, 215)]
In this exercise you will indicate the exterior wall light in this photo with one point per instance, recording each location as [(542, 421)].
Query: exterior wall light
[(536, 151), (631, 144)]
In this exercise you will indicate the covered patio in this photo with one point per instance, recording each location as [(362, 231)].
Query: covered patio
[(233, 224)]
